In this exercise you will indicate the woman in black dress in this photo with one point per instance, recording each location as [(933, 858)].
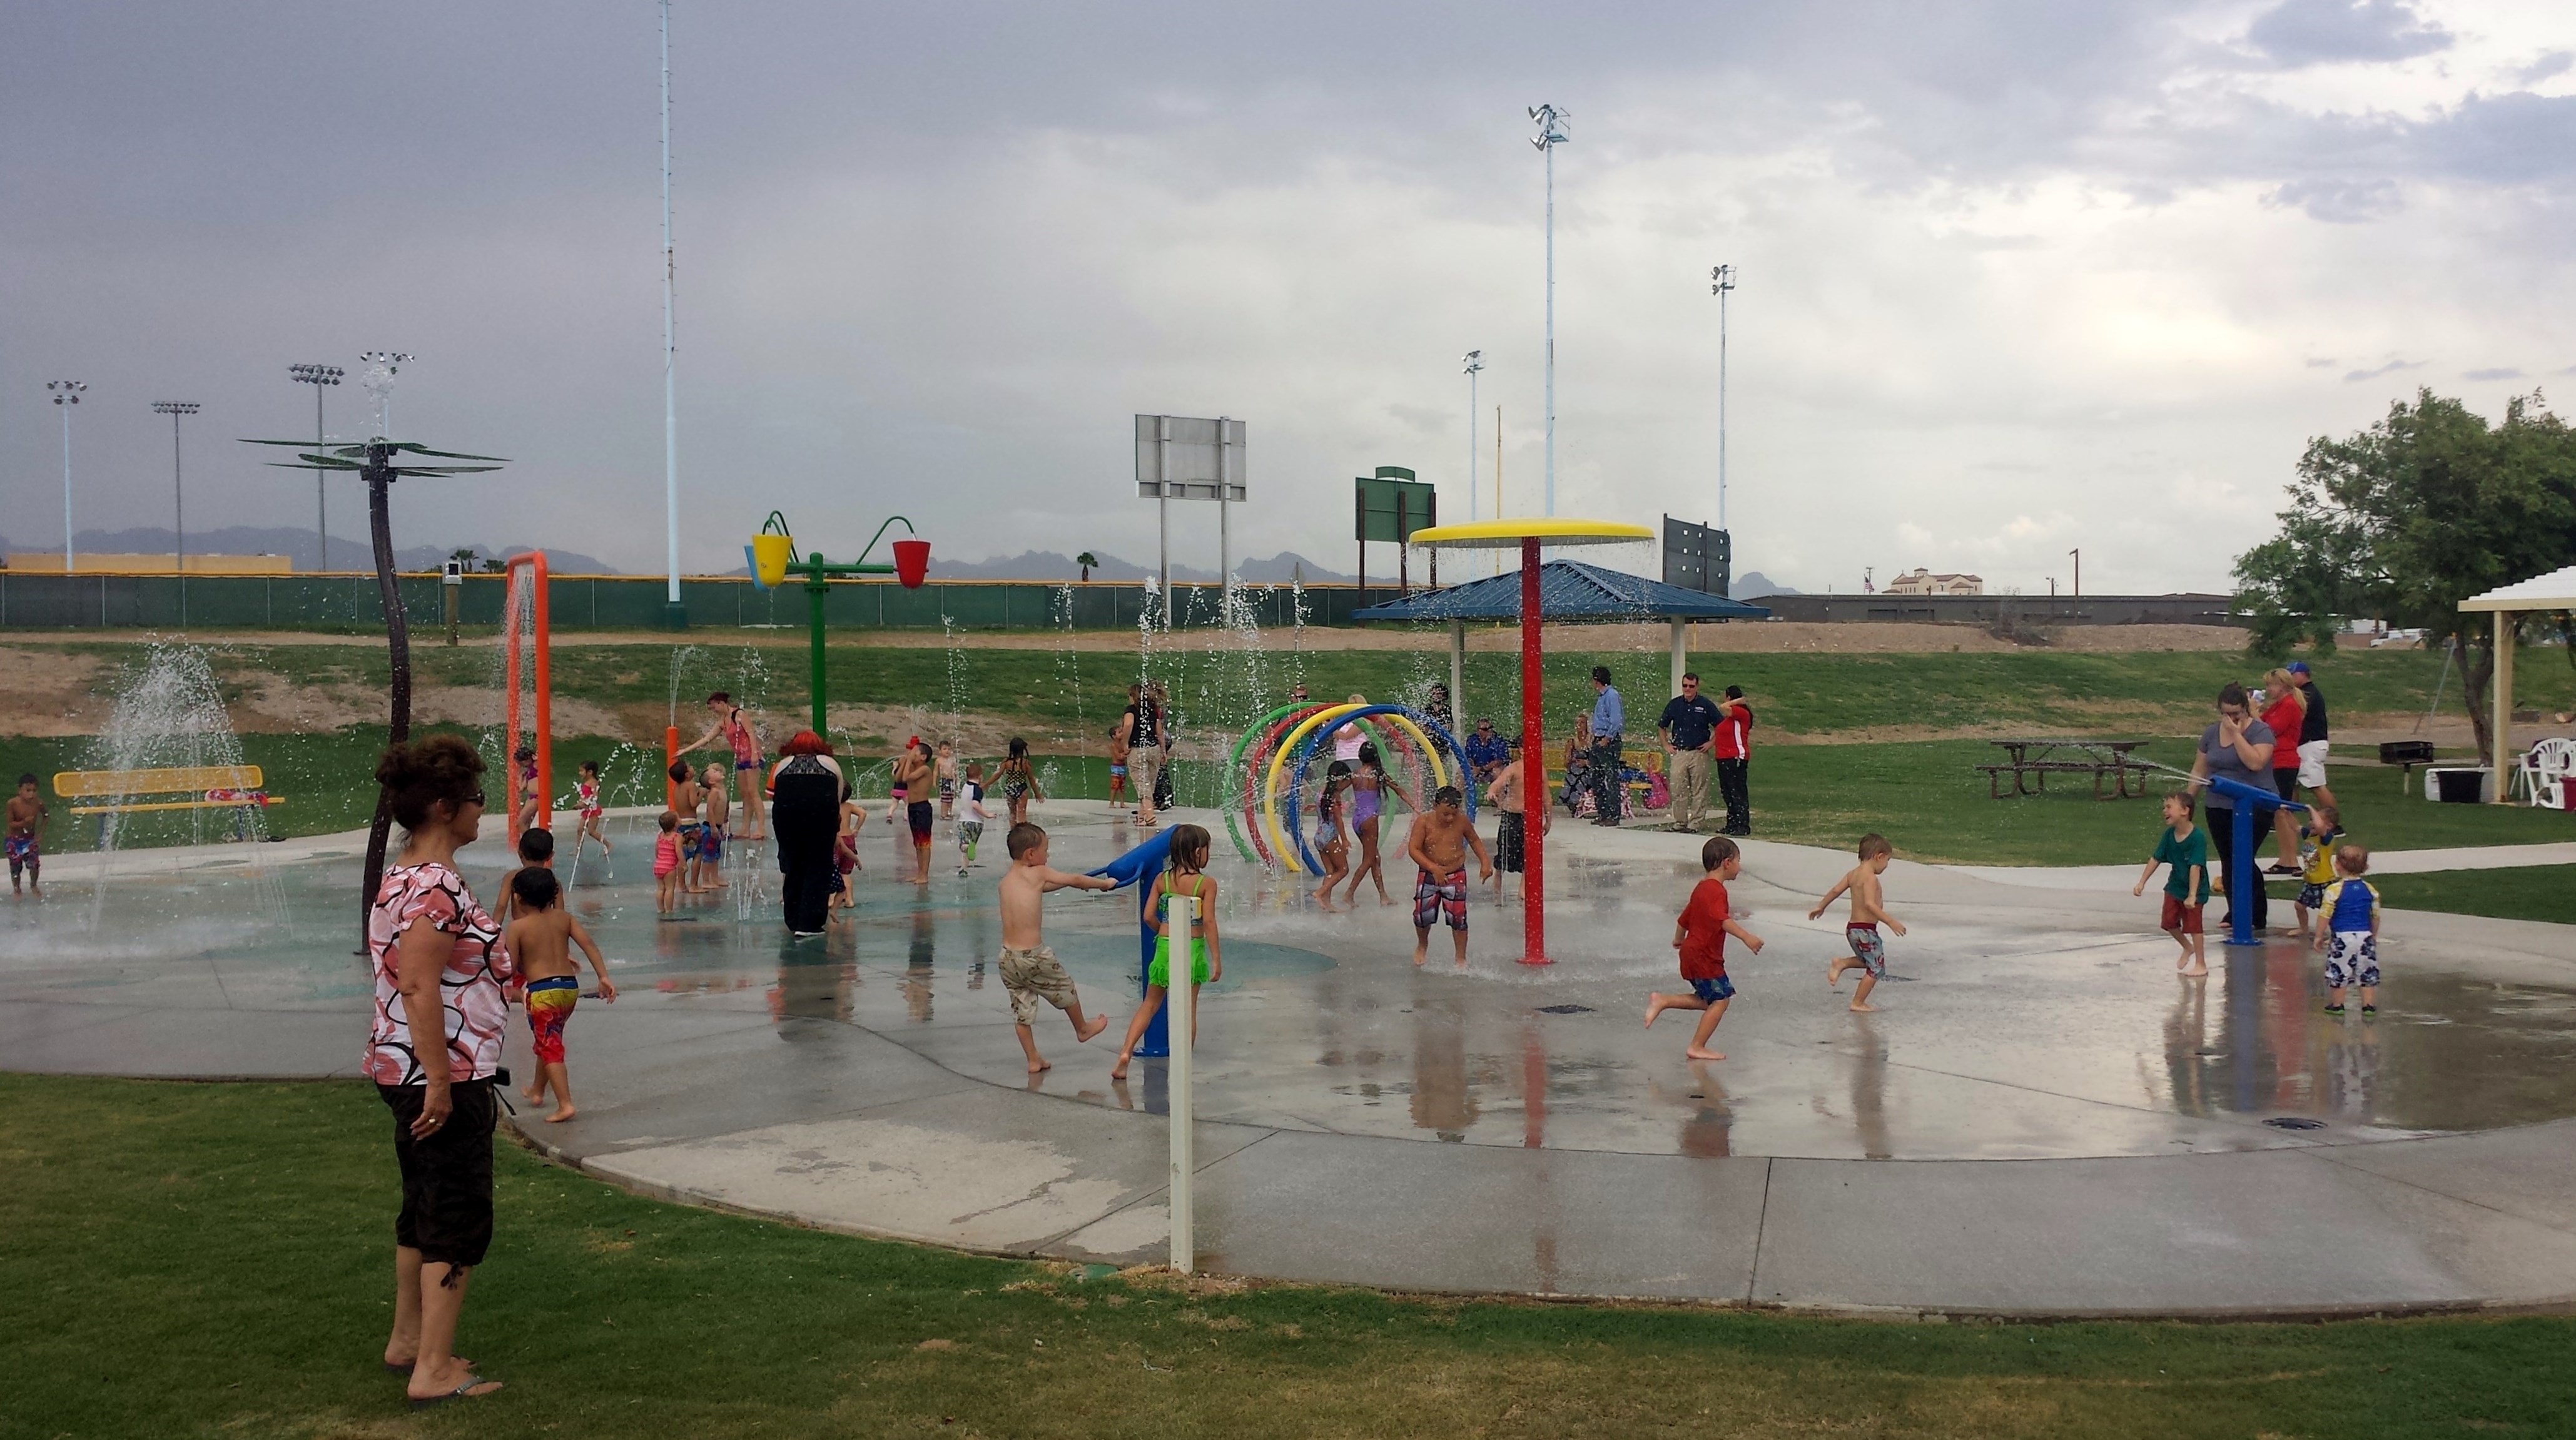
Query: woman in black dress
[(806, 789)]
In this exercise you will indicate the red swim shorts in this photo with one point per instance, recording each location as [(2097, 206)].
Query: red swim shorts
[(2178, 916)]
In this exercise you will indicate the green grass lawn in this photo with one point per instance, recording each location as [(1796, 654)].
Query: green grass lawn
[(1063, 694), (2524, 892), (212, 1260)]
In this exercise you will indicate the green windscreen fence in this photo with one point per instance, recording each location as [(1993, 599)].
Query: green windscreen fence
[(617, 602)]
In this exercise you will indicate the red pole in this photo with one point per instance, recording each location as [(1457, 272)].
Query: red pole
[(510, 707), (670, 756), (544, 639), (1534, 796)]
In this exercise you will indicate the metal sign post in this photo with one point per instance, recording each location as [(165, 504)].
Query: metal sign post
[(1180, 999), (1179, 458), (1392, 505)]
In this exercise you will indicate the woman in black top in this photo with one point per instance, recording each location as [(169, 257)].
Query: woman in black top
[(805, 794)]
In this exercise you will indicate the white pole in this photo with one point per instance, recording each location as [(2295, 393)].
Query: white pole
[(1551, 326), (1681, 656), (1721, 407), (1457, 673), (670, 384), (1182, 996), (67, 487), (1224, 542), (1163, 512)]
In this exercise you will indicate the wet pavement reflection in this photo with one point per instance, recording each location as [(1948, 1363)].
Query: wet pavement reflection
[(2050, 1025)]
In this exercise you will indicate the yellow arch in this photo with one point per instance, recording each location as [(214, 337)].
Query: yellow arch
[(1279, 842)]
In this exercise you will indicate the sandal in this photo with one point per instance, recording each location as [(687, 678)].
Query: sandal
[(465, 1390)]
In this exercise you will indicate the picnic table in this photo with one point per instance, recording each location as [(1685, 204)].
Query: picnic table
[(2031, 761)]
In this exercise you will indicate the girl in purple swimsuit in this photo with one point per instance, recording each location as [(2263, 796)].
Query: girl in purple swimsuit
[(1370, 785)]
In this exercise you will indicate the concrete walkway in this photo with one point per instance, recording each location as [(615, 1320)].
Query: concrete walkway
[(2046, 1123)]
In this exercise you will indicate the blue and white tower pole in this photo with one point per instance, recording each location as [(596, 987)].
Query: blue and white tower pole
[(1475, 362), (1721, 284)]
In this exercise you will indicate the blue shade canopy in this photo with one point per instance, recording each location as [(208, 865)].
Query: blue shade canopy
[(1567, 590)]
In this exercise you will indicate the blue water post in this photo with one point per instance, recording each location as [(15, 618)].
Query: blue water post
[(2241, 874), (1138, 867)]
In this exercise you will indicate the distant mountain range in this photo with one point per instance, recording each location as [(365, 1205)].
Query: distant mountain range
[(1278, 569), (304, 552), (1753, 585)]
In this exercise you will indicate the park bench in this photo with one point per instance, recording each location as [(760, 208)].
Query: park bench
[(2031, 762), (199, 787)]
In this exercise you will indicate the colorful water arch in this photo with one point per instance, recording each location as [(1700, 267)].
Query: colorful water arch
[(1283, 743)]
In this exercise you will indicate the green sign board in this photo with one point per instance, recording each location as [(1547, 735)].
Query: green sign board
[(1391, 505)]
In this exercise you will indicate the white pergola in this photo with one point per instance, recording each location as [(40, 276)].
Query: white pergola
[(2553, 591)]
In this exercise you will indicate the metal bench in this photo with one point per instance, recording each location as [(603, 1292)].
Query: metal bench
[(208, 787)]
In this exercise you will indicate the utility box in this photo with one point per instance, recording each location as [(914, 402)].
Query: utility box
[(2460, 784)]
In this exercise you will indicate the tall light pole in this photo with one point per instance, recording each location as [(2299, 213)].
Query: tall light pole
[(1551, 133), (67, 394), (178, 501), (1475, 362), (382, 367), (318, 376), (674, 615), (1721, 284), (2078, 553)]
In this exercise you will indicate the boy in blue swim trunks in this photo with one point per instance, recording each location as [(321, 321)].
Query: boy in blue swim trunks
[(2348, 931), (1700, 936)]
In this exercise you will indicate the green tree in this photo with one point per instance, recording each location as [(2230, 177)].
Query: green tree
[(2404, 520), (1086, 560)]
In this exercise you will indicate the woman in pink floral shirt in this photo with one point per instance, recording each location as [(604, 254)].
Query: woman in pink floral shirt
[(435, 1047)]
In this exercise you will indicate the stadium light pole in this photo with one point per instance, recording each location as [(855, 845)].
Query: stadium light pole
[(1721, 285), (1551, 133), (318, 376), (178, 500), (67, 394), (674, 615)]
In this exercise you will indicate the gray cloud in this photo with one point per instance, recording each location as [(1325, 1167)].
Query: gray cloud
[(2391, 368), (2548, 67), (2316, 32), (2501, 373)]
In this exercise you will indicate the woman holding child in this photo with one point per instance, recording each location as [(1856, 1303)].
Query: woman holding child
[(433, 1051)]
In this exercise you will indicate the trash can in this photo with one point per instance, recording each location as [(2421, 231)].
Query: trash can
[(2462, 786)]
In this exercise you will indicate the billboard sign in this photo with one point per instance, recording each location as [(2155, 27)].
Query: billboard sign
[(1697, 557)]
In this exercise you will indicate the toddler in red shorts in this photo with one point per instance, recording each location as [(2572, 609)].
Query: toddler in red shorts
[(2185, 847)]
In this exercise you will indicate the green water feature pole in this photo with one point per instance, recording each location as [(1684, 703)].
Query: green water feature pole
[(773, 559)]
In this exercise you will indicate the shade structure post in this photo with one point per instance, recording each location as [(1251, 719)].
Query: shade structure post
[(1457, 674), (2503, 758), (1681, 655), (1534, 798), (2241, 878)]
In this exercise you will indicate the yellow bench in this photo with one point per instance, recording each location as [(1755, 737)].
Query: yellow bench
[(214, 787)]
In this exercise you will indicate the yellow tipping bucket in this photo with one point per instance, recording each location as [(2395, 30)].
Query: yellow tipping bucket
[(770, 555)]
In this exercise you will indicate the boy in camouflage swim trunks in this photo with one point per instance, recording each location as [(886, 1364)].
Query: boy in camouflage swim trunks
[(1030, 971), (27, 816)]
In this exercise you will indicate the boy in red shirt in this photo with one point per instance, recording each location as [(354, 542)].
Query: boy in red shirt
[(1700, 936)]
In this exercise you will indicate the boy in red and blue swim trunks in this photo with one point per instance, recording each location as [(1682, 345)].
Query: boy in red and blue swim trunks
[(542, 939), (25, 843), (1868, 912), (1700, 935), (1437, 845)]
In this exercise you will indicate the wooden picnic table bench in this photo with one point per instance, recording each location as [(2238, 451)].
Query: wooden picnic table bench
[(204, 787), (2031, 762)]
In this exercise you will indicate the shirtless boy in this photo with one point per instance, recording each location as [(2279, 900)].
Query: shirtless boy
[(912, 777), (542, 938), (26, 837), (1437, 844), (1030, 971), (1868, 912), (686, 797), (718, 812)]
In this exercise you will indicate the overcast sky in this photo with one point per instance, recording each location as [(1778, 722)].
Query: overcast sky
[(2015, 278)]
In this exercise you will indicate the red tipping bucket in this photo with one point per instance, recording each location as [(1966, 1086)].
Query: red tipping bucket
[(912, 562)]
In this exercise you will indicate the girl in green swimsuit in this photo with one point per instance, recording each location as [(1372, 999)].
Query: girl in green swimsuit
[(1187, 876)]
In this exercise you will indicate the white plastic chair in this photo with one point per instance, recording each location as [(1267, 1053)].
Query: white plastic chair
[(2549, 770)]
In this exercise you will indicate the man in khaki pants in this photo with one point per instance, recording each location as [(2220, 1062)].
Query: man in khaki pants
[(1689, 726)]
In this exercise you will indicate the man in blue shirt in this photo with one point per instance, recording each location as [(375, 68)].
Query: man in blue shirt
[(1486, 752), (1690, 730), (1609, 717)]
